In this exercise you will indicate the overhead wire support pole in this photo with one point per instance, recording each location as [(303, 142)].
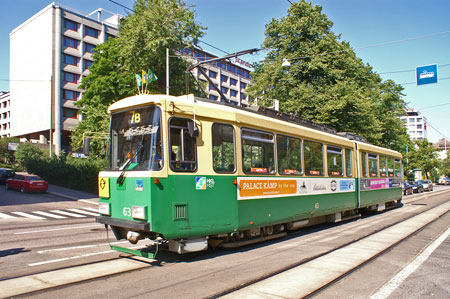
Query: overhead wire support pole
[(196, 65)]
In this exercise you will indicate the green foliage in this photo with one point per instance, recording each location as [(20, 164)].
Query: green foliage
[(444, 167), (79, 174), (326, 82), (27, 152), (422, 156), (6, 155), (143, 38)]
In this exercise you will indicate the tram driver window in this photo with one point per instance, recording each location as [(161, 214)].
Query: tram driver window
[(258, 153), (373, 165), (223, 148), (334, 160), (313, 156), (289, 153), (183, 146)]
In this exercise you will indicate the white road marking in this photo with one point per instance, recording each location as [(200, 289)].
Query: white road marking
[(67, 213), (80, 247), (397, 280), (6, 216), (91, 209), (49, 215), (55, 229), (23, 214), (83, 212)]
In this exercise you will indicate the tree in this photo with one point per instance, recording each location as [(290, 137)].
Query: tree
[(143, 38), (6, 155), (27, 152), (326, 82), (423, 156)]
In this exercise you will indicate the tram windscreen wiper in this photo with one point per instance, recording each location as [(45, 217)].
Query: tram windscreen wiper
[(121, 177)]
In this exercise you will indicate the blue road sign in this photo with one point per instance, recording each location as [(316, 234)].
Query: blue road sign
[(427, 74)]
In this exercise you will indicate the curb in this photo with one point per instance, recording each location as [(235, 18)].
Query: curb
[(72, 198)]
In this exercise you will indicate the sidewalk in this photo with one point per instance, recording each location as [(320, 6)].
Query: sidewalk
[(73, 194)]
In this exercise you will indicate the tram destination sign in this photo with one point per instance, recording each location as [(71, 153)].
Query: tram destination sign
[(427, 74)]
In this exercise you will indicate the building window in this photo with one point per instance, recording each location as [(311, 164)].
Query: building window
[(411, 120), (70, 42), (223, 78), (69, 113), (243, 85), (86, 64), (233, 81), (69, 59), (69, 77), (89, 48), (243, 96), (212, 74), (91, 32), (108, 36), (419, 120), (71, 25), (233, 93), (70, 95), (224, 90), (212, 97)]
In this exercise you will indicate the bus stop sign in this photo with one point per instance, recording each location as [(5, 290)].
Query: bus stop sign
[(426, 74)]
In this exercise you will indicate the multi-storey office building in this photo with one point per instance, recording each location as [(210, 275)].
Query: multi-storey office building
[(232, 77), (416, 124), (4, 114), (49, 54)]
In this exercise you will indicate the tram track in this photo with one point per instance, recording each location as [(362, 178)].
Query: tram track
[(329, 232), (242, 290)]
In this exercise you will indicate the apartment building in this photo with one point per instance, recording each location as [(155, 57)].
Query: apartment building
[(49, 55), (5, 124), (415, 123)]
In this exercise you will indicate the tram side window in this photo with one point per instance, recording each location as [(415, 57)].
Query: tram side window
[(364, 164), (348, 162), (313, 157), (397, 168), (258, 152), (373, 165), (391, 167), (223, 148), (183, 146), (289, 155), (334, 160), (383, 166)]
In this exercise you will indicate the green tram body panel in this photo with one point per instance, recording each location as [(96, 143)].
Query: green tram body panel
[(183, 206)]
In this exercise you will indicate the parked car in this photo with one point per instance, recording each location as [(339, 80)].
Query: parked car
[(26, 183), (427, 185), (417, 186), (444, 181), (5, 173), (407, 188)]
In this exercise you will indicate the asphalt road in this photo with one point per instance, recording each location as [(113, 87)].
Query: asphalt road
[(36, 245)]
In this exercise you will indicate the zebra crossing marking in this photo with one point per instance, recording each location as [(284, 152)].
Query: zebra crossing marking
[(83, 212), (26, 215), (68, 213), (52, 214), (49, 215)]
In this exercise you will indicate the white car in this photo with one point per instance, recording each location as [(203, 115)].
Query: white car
[(427, 185)]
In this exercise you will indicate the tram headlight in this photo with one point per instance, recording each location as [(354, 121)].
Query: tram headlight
[(139, 212), (103, 208)]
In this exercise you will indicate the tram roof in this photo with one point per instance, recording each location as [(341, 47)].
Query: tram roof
[(256, 116)]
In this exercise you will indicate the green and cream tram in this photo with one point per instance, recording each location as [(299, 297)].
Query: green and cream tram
[(195, 172)]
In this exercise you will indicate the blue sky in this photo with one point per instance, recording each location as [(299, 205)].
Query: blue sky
[(235, 25)]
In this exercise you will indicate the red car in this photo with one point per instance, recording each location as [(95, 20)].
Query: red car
[(26, 183)]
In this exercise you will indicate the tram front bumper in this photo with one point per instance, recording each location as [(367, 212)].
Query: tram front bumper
[(125, 224)]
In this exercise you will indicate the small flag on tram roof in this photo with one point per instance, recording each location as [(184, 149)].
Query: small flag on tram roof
[(144, 76), (151, 76), (138, 80)]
